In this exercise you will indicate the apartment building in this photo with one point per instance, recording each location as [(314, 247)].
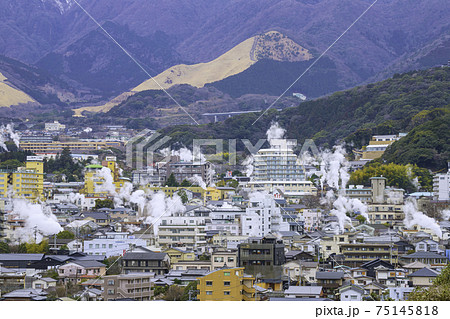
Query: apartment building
[(145, 261), (441, 186), (357, 254), (227, 284), (266, 251), (24, 182), (224, 258), (136, 286), (94, 180), (56, 147), (184, 229), (111, 244)]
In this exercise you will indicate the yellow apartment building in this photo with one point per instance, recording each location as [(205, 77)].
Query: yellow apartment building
[(227, 284), (25, 182)]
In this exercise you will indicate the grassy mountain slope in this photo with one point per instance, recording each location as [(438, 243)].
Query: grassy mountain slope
[(10, 96), (271, 45)]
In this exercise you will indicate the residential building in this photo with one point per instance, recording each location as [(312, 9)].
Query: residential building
[(301, 271), (192, 264), (146, 261), (136, 286), (357, 254), (312, 292), (429, 258), (228, 284), (55, 126), (26, 295), (24, 182), (96, 182), (185, 229), (441, 186), (59, 146), (351, 293), (178, 254), (78, 270), (423, 277), (44, 283), (112, 244), (330, 281), (224, 258), (377, 145)]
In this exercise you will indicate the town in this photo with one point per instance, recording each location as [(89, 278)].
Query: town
[(77, 222)]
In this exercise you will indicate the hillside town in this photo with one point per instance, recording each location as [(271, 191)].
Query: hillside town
[(279, 226)]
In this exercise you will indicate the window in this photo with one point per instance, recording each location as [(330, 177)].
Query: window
[(110, 291), (226, 283), (111, 282), (226, 293), (209, 292), (209, 283), (227, 273), (230, 259)]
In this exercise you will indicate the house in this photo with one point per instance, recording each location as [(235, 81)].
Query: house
[(375, 288), (301, 271), (100, 218), (400, 293), (299, 255), (351, 293), (148, 261), (193, 264), (44, 283), (19, 260), (26, 295), (77, 270), (330, 281), (89, 294), (229, 284), (312, 292), (430, 258), (177, 254), (11, 279), (373, 264), (185, 277), (428, 245), (423, 277), (224, 258), (136, 286), (414, 266)]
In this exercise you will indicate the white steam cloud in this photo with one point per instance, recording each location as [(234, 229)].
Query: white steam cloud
[(415, 217), (39, 221)]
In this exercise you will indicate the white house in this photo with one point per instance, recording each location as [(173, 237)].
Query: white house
[(304, 292), (112, 244), (351, 293)]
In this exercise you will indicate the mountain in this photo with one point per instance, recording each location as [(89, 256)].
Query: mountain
[(58, 35), (10, 96), (270, 46), (387, 107)]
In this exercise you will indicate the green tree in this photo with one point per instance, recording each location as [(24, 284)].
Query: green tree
[(174, 293), (4, 248), (192, 287), (361, 219), (183, 196), (34, 248), (439, 291), (113, 265), (171, 181), (65, 234), (185, 183), (104, 203), (10, 164)]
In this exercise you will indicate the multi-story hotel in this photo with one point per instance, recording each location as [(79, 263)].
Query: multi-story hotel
[(24, 182), (278, 168)]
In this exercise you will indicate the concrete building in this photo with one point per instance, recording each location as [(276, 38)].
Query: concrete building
[(112, 244), (228, 284), (278, 168), (145, 261), (224, 258), (136, 286), (55, 126), (441, 186), (24, 182)]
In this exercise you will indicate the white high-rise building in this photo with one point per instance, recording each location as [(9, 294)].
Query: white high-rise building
[(441, 185), (278, 168), (263, 216)]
